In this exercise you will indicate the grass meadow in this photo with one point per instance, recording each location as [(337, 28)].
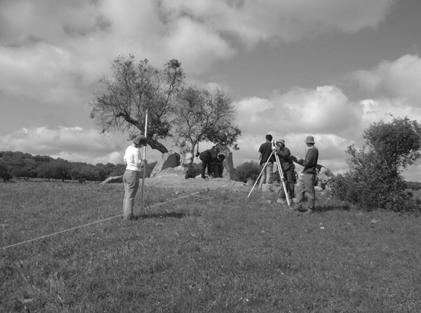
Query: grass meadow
[(216, 251)]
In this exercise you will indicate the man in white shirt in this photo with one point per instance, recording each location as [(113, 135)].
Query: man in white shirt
[(133, 159)]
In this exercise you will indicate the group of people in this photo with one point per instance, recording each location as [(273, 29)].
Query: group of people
[(212, 165), (271, 150)]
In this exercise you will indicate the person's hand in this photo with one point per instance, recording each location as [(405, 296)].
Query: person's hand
[(300, 161)]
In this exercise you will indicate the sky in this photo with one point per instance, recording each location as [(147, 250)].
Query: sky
[(325, 68)]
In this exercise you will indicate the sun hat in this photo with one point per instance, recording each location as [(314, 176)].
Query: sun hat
[(309, 139), (280, 141)]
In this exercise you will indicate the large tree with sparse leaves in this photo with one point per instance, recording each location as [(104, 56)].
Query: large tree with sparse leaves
[(204, 115), (134, 88)]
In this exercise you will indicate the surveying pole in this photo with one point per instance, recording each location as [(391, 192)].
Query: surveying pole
[(142, 197)]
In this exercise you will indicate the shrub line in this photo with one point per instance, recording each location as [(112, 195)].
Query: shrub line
[(90, 224)]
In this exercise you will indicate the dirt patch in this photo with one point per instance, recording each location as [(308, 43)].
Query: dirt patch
[(174, 178)]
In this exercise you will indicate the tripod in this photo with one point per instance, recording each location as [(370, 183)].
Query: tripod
[(281, 174)]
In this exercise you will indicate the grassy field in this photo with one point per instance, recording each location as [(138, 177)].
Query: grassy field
[(212, 252)]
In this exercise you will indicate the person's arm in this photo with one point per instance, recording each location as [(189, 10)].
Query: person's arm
[(139, 160), (126, 156), (259, 158), (283, 153)]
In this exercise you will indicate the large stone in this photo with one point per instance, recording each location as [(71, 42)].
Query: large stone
[(173, 160), (167, 160)]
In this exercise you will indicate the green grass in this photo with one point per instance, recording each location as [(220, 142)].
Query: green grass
[(213, 252)]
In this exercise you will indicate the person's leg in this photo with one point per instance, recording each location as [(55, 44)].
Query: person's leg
[(221, 169), (299, 193), (289, 175), (204, 165), (263, 177), (309, 190), (136, 212), (130, 188), (269, 171)]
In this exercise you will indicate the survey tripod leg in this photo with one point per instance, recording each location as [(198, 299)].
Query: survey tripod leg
[(281, 175), (261, 173)]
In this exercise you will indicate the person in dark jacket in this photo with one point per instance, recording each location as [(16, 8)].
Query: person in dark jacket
[(266, 158), (208, 158), (217, 166), (288, 168), (306, 184)]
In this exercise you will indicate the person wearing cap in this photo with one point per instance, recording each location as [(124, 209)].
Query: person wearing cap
[(131, 176), (265, 151), (306, 186), (287, 166)]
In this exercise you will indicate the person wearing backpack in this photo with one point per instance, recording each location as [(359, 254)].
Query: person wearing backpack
[(266, 158)]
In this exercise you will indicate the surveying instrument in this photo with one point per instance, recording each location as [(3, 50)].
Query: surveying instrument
[(280, 171)]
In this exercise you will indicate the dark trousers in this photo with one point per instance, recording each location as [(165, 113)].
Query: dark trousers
[(289, 177), (205, 164)]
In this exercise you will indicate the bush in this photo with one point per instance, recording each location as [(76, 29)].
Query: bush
[(5, 172), (344, 188), (372, 187), (374, 180), (247, 170)]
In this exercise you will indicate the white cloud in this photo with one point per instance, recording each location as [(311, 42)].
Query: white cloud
[(375, 110), (399, 79), (69, 143), (196, 45), (55, 51), (252, 21), (325, 109)]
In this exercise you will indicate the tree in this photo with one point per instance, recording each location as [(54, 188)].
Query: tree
[(4, 172), (375, 169), (397, 143), (135, 88), (203, 115)]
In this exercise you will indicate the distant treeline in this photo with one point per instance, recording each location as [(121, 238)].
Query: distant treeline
[(19, 164)]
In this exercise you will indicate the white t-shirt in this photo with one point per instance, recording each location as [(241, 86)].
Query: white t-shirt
[(133, 158)]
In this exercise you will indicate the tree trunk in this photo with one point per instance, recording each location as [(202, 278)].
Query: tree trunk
[(154, 144)]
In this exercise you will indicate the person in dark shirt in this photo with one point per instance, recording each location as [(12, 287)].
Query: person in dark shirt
[(219, 165), (306, 184), (288, 168), (265, 151), (208, 158)]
